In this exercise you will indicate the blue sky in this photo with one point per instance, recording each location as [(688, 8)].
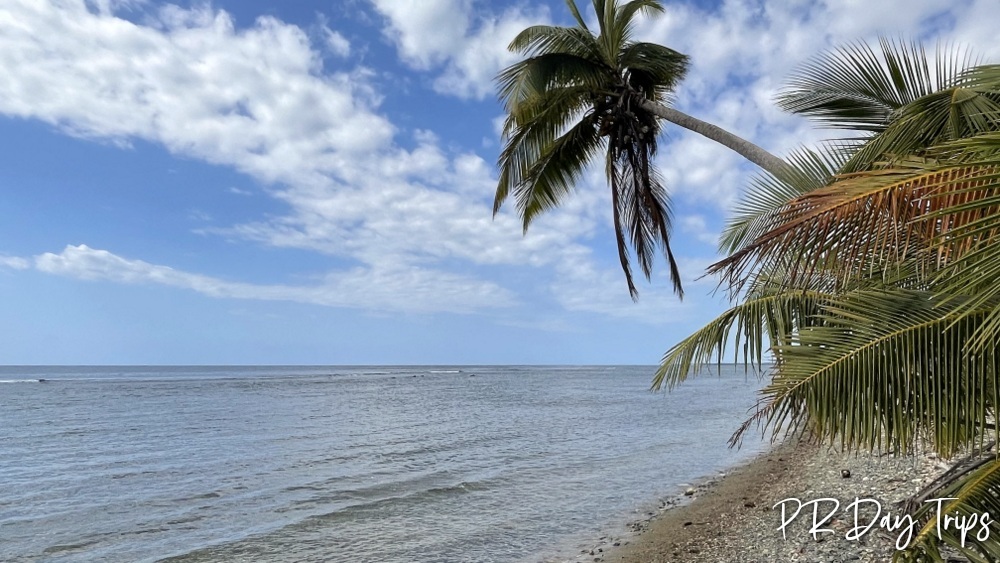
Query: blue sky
[(311, 182)]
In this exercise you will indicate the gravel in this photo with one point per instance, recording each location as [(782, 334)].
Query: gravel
[(736, 517)]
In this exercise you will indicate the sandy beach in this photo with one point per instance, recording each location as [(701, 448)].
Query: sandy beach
[(733, 517)]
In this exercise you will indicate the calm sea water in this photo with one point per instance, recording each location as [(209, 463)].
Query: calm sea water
[(381, 464)]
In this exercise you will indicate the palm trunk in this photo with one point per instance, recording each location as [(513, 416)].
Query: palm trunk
[(744, 148)]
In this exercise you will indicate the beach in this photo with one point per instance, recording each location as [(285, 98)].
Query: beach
[(735, 517)]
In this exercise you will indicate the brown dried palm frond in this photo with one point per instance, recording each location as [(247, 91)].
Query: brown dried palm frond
[(864, 220)]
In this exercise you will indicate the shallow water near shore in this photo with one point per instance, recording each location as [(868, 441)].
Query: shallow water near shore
[(502, 463)]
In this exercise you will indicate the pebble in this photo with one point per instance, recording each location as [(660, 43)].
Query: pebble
[(751, 536)]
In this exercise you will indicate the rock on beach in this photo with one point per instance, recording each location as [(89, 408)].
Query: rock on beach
[(735, 518)]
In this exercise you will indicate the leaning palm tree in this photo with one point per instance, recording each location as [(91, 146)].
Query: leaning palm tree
[(578, 94), (871, 275)]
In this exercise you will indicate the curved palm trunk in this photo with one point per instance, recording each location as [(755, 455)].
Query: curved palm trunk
[(744, 148)]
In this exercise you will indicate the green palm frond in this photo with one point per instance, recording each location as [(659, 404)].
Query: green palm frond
[(982, 147), (974, 270), (882, 370), (973, 495), (571, 4), (623, 21), (641, 205), (653, 69), (981, 77), (558, 167), (854, 88), (766, 317), (951, 114), (551, 112), (543, 39), (531, 130), (770, 314), (528, 83), (896, 98)]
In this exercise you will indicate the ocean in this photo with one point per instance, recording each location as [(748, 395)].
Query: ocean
[(382, 464)]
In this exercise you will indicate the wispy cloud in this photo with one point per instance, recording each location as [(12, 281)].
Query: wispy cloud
[(260, 101), (697, 227), (14, 263), (336, 42), (467, 45), (413, 212), (401, 289)]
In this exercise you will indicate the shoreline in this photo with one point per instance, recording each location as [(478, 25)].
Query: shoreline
[(733, 516), (617, 534)]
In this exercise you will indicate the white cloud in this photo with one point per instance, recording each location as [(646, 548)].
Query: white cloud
[(14, 263), (740, 54), (258, 100), (401, 288), (426, 32), (472, 68), (255, 99), (583, 287), (337, 43), (697, 226), (701, 171), (976, 28), (111, 6), (742, 51), (199, 215), (472, 49)]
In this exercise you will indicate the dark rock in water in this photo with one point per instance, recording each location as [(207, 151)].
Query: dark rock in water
[(43, 380), (472, 375)]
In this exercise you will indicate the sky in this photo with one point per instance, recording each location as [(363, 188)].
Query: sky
[(311, 182)]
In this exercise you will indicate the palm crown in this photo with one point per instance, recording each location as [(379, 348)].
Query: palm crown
[(577, 95)]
